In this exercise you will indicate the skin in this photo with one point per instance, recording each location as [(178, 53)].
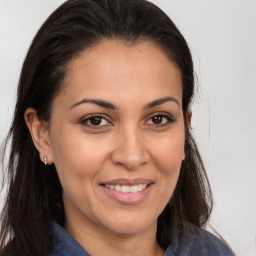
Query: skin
[(125, 143)]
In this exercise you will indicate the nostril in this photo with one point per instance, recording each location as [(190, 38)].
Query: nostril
[(130, 155)]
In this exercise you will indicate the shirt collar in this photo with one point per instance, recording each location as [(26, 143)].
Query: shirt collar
[(64, 244)]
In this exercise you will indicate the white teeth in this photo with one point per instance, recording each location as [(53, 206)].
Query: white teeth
[(134, 189), (118, 188), (127, 189)]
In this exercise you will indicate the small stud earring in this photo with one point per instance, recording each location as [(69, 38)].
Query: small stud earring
[(45, 159), (184, 157)]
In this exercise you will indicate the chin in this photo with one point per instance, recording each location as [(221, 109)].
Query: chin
[(128, 225)]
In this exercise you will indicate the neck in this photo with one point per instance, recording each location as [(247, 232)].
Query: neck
[(99, 242)]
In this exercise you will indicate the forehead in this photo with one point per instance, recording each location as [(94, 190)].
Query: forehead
[(111, 69)]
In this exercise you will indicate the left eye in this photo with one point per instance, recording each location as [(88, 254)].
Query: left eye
[(160, 119)]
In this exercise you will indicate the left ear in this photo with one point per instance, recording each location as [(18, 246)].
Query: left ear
[(188, 117)]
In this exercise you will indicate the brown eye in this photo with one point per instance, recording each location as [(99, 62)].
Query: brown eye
[(160, 120), (96, 120), (157, 119)]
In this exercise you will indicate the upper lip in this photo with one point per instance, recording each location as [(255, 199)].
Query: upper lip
[(128, 182)]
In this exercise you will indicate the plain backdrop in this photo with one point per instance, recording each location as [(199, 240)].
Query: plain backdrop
[(222, 37)]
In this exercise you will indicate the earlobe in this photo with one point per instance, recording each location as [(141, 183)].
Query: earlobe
[(39, 134)]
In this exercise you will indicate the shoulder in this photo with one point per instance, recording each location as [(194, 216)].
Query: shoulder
[(199, 243), (63, 244)]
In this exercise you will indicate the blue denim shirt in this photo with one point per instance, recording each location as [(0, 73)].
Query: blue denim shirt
[(204, 244)]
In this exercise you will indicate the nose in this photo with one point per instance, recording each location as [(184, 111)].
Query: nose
[(130, 150)]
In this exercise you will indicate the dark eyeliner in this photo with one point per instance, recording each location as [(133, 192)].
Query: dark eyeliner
[(163, 115), (84, 121)]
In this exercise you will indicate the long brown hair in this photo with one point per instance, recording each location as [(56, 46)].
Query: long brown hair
[(34, 195)]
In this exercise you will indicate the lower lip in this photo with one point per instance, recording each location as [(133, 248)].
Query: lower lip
[(127, 198)]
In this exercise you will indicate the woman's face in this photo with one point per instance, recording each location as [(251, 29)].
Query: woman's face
[(116, 136)]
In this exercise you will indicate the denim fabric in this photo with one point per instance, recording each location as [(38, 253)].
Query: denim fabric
[(203, 244), (64, 244)]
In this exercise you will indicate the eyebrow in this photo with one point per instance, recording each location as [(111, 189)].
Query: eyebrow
[(101, 103), (108, 105), (161, 101)]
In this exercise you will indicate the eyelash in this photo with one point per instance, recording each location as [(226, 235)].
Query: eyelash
[(89, 119), (169, 119)]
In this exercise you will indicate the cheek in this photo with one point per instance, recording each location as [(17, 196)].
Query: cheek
[(75, 155), (169, 152), (169, 169), (78, 161), (168, 158)]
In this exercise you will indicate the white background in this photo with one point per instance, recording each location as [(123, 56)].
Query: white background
[(222, 38)]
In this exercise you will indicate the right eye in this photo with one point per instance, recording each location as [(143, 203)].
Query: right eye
[(95, 121)]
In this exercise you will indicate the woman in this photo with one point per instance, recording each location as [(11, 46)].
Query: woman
[(102, 159)]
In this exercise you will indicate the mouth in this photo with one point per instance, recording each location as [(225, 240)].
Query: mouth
[(127, 191)]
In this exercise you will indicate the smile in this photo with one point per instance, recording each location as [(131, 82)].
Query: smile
[(127, 189)]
